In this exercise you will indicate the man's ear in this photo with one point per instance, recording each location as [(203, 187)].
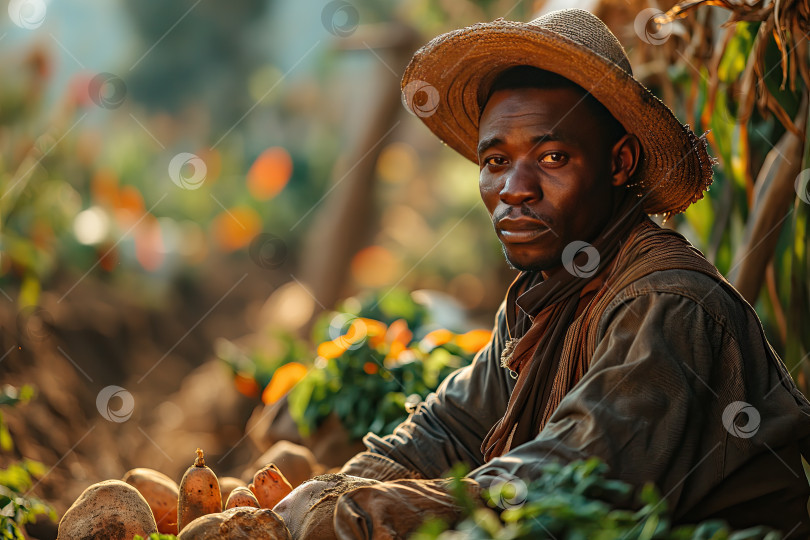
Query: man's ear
[(625, 157)]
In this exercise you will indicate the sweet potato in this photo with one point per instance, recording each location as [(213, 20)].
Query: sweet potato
[(227, 484), (112, 510), (199, 493), (269, 486), (239, 523), (241, 496), (297, 462), (160, 492)]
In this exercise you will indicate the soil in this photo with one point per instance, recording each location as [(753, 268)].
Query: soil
[(85, 337)]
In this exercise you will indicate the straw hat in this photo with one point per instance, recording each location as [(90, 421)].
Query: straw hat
[(448, 78)]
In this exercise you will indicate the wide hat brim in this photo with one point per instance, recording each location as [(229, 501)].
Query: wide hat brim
[(448, 78)]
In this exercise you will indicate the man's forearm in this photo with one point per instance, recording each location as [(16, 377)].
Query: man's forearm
[(377, 467)]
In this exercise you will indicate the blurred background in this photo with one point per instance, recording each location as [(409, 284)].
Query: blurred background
[(195, 194)]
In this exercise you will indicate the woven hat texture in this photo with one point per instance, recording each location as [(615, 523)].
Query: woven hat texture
[(448, 79)]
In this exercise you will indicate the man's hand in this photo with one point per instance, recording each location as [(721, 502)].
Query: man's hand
[(308, 509), (396, 509)]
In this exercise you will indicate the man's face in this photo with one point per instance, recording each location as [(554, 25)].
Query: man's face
[(545, 173)]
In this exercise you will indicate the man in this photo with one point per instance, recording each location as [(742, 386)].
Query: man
[(618, 339)]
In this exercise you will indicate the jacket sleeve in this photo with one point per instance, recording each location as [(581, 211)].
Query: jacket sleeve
[(645, 404), (449, 426), (659, 404)]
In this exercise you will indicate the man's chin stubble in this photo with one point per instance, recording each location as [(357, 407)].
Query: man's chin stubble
[(539, 266)]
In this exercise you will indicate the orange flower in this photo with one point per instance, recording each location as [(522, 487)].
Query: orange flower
[(373, 328), (474, 340), (129, 206), (398, 332), (269, 173), (371, 368), (104, 187), (234, 228), (246, 385), (332, 349), (437, 338), (283, 381), (376, 331), (375, 266), (357, 332), (393, 353)]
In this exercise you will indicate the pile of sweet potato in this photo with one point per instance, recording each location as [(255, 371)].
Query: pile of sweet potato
[(202, 507)]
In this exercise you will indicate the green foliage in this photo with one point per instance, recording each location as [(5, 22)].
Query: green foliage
[(743, 130), (10, 395), (262, 361), (574, 502), (387, 308), (17, 507), (367, 393), (798, 343), (156, 536), (367, 382)]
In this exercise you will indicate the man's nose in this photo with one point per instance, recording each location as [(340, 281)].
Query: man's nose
[(521, 184)]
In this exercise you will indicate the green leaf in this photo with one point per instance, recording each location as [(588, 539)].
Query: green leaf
[(798, 341), (555, 508), (29, 290), (10, 395), (6, 443), (732, 64)]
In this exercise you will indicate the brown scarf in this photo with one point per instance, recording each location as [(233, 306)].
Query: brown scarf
[(565, 310)]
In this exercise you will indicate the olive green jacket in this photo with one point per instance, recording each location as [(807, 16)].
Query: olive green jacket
[(680, 392)]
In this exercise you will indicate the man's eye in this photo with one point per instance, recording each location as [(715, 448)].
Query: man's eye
[(495, 160), (553, 157)]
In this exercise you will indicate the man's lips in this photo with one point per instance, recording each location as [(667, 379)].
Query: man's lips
[(521, 230)]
